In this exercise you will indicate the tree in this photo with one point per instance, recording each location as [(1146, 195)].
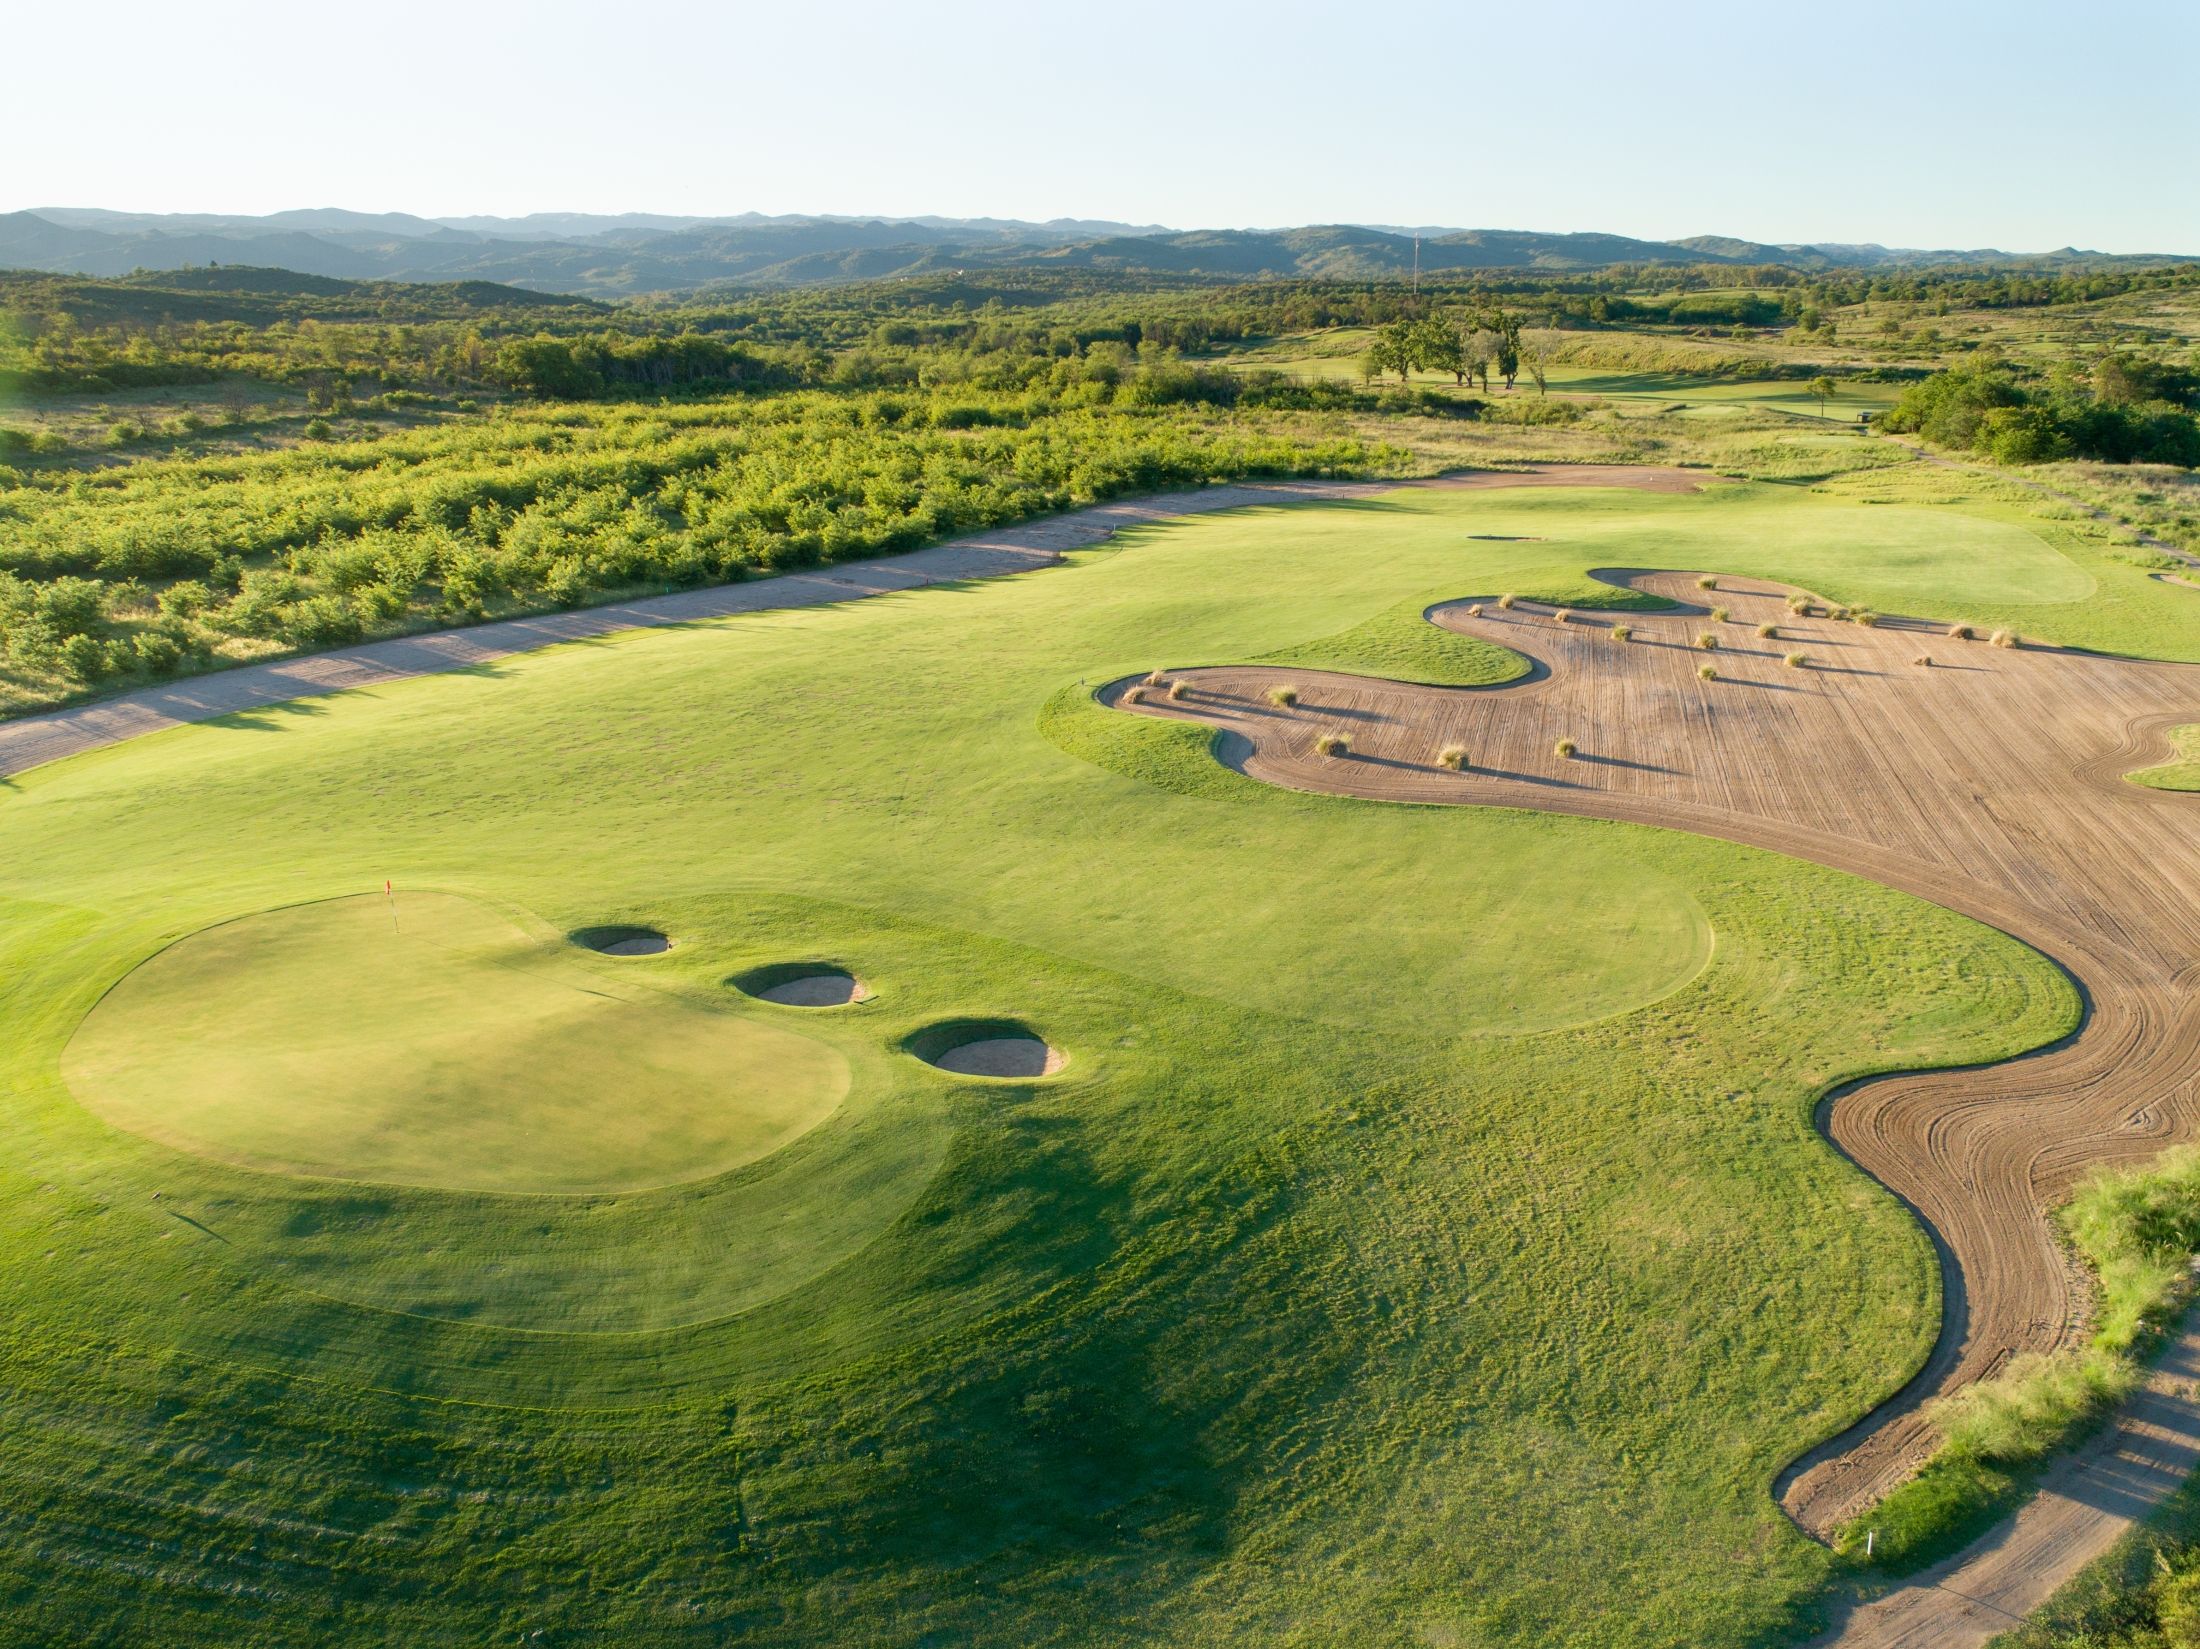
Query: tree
[(1823, 388), (1480, 347), (1436, 348), (1538, 349)]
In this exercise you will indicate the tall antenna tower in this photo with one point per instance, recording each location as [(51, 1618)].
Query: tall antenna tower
[(1416, 266)]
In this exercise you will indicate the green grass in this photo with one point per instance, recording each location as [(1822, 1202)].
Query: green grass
[(1428, 1223), (427, 1040), (2182, 773)]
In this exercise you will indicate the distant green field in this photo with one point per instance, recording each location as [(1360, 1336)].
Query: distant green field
[(1428, 1229), (1337, 354)]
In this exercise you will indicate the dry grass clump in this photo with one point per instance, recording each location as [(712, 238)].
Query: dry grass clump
[(1564, 747), (1771, 632), (1707, 583), (1719, 615), (1708, 642), (1622, 632), (1839, 614), (1283, 697), (1798, 661), (1961, 632), (1866, 617), (1177, 689), (1333, 744), (1156, 678), (1453, 756), (1924, 661), (1564, 615), (1507, 602), (1707, 672), (1798, 604), (2002, 638), (1134, 695), (1475, 611)]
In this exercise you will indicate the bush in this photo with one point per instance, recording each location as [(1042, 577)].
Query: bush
[(1453, 756), (1564, 747), (319, 429), (1707, 672), (1333, 744), (1770, 632), (1708, 642), (1719, 615), (1283, 697), (1707, 583), (1797, 661), (1623, 632)]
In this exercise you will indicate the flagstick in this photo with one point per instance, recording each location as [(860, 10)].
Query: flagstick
[(392, 893)]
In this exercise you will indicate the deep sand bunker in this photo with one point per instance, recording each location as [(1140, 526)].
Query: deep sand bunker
[(987, 1047), (802, 985), (1990, 783), (623, 941)]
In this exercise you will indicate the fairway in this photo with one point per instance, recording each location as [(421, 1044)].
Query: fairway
[(1350, 1212), (426, 1040)]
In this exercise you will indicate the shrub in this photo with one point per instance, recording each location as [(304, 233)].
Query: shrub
[(319, 429), (1507, 602), (2002, 638), (1283, 697), (1177, 690), (1719, 615), (1564, 747), (1707, 583), (1622, 632), (1333, 744), (1707, 672), (1771, 632), (1796, 661), (1961, 632), (1453, 756), (1708, 642)]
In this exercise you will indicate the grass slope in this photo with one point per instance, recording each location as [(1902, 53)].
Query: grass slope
[(1428, 1225)]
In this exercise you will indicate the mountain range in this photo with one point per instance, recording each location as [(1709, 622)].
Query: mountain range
[(584, 253)]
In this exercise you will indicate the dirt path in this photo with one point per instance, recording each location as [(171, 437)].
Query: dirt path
[(1990, 783), (33, 740)]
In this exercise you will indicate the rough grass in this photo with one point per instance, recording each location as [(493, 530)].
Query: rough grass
[(1401, 644), (1440, 1294)]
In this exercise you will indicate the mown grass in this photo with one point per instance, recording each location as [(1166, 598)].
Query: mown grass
[(2180, 773), (1428, 1223)]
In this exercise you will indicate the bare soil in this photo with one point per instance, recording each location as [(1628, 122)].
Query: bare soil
[(1001, 1056)]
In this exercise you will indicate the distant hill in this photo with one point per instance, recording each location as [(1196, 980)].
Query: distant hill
[(259, 297), (583, 253)]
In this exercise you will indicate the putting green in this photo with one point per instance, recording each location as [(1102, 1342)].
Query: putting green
[(428, 1041)]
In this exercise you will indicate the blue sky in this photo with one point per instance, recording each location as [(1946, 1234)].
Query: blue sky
[(2017, 125)]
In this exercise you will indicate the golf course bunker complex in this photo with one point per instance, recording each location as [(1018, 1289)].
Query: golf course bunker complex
[(428, 1041), (986, 1047), (1991, 784), (622, 941), (802, 985)]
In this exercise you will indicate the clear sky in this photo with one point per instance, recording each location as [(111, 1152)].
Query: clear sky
[(2021, 125)]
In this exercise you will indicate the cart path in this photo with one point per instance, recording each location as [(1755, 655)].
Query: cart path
[(31, 741), (1990, 782)]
